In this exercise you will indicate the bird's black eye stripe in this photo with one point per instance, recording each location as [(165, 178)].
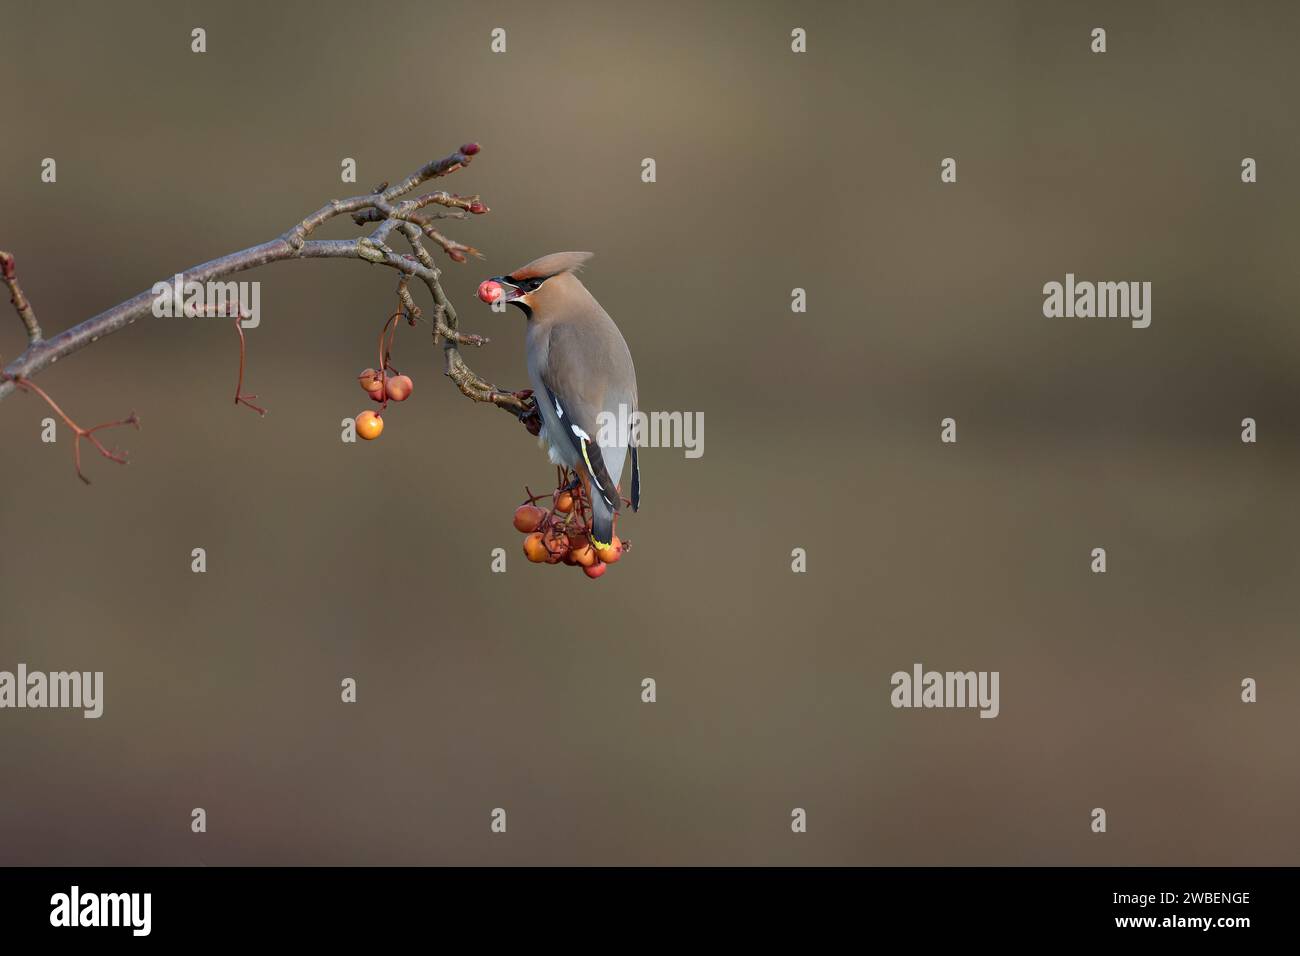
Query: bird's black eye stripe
[(530, 285)]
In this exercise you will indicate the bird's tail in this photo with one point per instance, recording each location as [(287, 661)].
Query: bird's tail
[(602, 522)]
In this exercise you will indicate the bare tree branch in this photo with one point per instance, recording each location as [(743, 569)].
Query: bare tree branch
[(379, 206)]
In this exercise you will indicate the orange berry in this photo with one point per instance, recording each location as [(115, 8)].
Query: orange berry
[(611, 554), (369, 426), (534, 549), (585, 555), (371, 380), (528, 518), (595, 570), (399, 388), (564, 502)]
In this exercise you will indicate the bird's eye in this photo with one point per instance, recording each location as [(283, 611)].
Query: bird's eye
[(527, 285)]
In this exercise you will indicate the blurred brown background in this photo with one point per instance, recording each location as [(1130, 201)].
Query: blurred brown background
[(775, 170)]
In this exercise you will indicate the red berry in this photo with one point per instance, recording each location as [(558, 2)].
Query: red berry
[(470, 149), (594, 570), (528, 518), (399, 388), (489, 291), (612, 553), (557, 545)]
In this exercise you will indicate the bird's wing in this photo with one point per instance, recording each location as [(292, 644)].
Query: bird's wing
[(580, 361), (586, 448)]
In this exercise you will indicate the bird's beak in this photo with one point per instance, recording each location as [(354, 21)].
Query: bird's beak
[(499, 289)]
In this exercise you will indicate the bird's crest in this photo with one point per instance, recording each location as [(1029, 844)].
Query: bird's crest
[(551, 265)]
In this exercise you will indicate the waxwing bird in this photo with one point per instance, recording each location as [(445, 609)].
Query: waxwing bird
[(582, 377)]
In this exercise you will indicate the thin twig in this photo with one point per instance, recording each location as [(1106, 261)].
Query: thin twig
[(240, 397), (87, 433), (20, 303)]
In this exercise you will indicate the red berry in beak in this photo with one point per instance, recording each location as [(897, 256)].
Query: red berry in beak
[(490, 291), (470, 149)]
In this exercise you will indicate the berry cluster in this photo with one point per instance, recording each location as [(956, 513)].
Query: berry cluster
[(562, 534), (383, 385)]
